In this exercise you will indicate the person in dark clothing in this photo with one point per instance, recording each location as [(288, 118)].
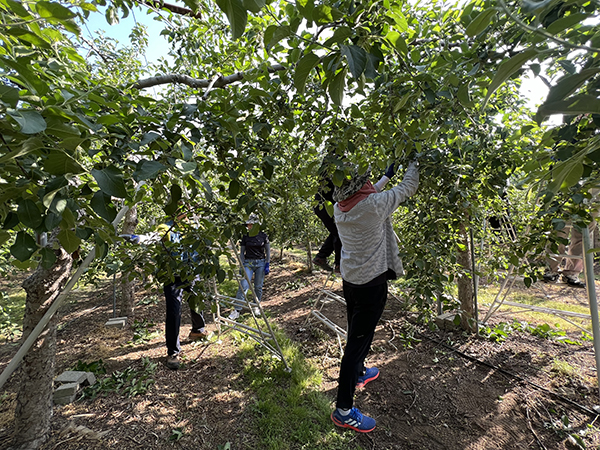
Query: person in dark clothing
[(332, 243), (255, 255), (174, 293)]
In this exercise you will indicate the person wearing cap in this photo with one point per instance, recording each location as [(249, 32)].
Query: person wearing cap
[(369, 258), (255, 255)]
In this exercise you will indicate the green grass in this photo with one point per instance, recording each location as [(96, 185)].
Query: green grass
[(487, 295), (12, 308), (289, 412), (564, 368)]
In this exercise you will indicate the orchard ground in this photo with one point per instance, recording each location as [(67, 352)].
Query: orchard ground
[(447, 390)]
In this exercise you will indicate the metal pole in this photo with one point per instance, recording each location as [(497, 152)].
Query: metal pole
[(115, 294), (475, 278), (588, 264), (14, 363)]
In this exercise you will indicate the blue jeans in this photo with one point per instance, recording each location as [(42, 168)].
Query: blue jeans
[(252, 267)]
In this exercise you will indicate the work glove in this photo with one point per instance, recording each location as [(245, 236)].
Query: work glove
[(267, 269), (131, 238), (390, 171)]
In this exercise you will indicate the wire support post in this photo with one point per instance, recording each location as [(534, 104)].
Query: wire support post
[(588, 267)]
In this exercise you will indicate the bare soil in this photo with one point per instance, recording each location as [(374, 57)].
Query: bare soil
[(449, 390)]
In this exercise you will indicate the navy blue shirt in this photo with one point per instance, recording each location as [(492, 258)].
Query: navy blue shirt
[(255, 246)]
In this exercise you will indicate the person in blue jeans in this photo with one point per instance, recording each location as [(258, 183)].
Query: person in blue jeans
[(255, 255)]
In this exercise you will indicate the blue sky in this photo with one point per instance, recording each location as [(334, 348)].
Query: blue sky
[(157, 44)]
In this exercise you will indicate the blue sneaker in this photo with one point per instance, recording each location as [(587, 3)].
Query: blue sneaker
[(355, 420), (370, 374)]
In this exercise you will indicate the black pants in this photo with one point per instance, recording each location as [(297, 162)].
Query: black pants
[(173, 300), (365, 306), (332, 243)]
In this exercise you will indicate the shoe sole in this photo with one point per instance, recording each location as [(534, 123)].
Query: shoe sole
[(364, 382), (345, 425)]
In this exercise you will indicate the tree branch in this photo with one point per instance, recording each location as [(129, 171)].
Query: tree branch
[(173, 8), (220, 82)]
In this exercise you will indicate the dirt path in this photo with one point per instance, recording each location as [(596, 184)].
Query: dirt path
[(449, 391)]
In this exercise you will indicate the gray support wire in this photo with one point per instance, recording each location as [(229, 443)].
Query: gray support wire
[(588, 265), (14, 363)]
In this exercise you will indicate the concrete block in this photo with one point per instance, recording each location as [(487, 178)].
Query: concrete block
[(91, 378), (64, 400), (72, 376), (446, 321), (116, 322), (66, 390)]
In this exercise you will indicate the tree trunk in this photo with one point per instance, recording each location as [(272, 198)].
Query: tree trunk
[(34, 399), (126, 305), (465, 282), (309, 263)]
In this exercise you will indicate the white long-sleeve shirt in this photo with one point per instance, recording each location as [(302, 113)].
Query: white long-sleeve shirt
[(369, 246)]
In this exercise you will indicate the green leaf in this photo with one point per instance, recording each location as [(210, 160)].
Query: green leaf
[(173, 205), (148, 169), (28, 37), (31, 122), (336, 88), (23, 247), (112, 16), (275, 34), (110, 180), (69, 240), (565, 175), (254, 5), (234, 188), (9, 95), (147, 138), (17, 8), (507, 68), (569, 84), (51, 10), (29, 213), (323, 14), (481, 22), (267, 169), (303, 69), (30, 145), (463, 95), (59, 163), (566, 22), (52, 221), (340, 35), (48, 258), (306, 8), (109, 119), (26, 76), (357, 59), (102, 206), (236, 14), (578, 104)]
